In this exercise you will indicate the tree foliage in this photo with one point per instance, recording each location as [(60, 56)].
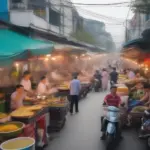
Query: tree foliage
[(142, 6), (84, 36)]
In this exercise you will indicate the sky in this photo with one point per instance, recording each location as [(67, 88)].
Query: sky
[(115, 23)]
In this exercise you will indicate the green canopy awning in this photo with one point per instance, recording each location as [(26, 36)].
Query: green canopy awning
[(14, 46), (134, 42)]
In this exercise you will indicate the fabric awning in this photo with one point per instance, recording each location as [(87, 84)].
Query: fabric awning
[(134, 42), (141, 43), (14, 46)]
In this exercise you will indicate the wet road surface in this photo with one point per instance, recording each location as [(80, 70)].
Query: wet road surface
[(82, 130)]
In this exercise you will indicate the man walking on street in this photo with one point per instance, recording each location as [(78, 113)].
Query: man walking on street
[(75, 88), (113, 77)]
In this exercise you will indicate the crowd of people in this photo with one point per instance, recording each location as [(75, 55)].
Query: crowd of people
[(24, 90), (104, 76), (139, 97)]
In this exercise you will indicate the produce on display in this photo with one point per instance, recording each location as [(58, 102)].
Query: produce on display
[(139, 109), (122, 77), (137, 95), (63, 87), (122, 91), (54, 102), (11, 129), (22, 143), (3, 115), (8, 128), (34, 108), (22, 112)]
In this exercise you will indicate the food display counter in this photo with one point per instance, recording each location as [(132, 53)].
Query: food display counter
[(43, 115), (29, 119), (58, 117), (34, 118), (58, 107), (63, 90)]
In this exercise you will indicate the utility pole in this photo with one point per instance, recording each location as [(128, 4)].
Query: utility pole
[(139, 24), (60, 25), (63, 30), (48, 13), (126, 23), (126, 31)]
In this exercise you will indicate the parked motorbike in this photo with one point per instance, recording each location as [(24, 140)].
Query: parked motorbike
[(145, 127), (112, 116), (97, 85)]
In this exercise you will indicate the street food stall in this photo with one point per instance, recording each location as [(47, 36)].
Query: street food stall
[(19, 123), (45, 113)]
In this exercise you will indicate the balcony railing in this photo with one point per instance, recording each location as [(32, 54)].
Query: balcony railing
[(147, 24)]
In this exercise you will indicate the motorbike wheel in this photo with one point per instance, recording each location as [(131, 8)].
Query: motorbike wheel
[(148, 142), (109, 142), (96, 89)]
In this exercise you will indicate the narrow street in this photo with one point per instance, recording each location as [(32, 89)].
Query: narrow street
[(82, 131)]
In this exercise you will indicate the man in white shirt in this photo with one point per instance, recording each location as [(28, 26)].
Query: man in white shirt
[(26, 82), (42, 87), (75, 88)]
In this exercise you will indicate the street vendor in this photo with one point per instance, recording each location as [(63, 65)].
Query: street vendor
[(26, 82), (42, 88), (137, 92), (141, 105), (131, 74), (142, 98), (138, 75), (17, 97)]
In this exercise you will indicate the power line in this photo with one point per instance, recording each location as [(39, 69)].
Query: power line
[(99, 15), (126, 21), (83, 10), (87, 12), (98, 4)]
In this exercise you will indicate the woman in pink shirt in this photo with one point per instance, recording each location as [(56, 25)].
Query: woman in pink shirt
[(105, 78)]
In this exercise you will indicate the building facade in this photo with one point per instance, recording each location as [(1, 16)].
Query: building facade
[(56, 16), (4, 15), (139, 23)]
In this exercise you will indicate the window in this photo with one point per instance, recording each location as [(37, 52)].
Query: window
[(54, 17), (39, 8), (40, 12), (16, 1), (147, 17)]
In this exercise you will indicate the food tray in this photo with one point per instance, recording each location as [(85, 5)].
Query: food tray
[(61, 93), (14, 133), (63, 90), (59, 106), (25, 116), (33, 118), (136, 114)]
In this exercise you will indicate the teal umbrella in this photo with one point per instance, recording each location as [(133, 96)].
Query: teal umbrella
[(14, 46)]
